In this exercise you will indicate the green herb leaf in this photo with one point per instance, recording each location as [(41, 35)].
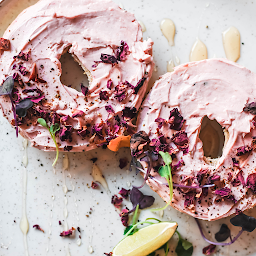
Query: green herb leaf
[(54, 128), (166, 157), (164, 171), (127, 229), (184, 248), (186, 244), (42, 122)]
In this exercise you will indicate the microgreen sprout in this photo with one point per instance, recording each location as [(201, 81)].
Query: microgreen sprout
[(165, 171), (6, 89), (184, 247), (52, 130)]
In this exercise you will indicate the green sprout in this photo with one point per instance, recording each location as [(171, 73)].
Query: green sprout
[(52, 130)]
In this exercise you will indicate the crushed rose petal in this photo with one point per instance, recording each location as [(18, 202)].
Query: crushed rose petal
[(94, 185), (175, 120), (36, 226), (251, 182), (250, 107), (68, 232), (109, 84), (122, 51), (84, 89), (124, 217), (160, 121), (124, 193), (77, 113), (243, 150), (209, 249), (116, 201), (104, 95)]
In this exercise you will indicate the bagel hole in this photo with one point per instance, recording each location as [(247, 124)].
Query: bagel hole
[(72, 73), (212, 137)]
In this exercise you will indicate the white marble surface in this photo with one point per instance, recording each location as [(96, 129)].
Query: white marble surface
[(90, 209)]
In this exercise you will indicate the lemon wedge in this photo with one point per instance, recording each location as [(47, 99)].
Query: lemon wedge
[(146, 240)]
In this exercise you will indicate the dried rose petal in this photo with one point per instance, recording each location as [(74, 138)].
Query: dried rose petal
[(4, 44), (250, 107), (243, 150), (34, 98), (129, 112), (109, 84), (84, 89), (106, 58), (180, 138), (23, 56), (23, 70), (124, 193), (139, 143), (189, 199), (235, 162), (94, 185), (116, 201), (122, 51), (77, 113), (215, 178), (209, 249), (160, 122), (124, 217), (108, 254), (38, 227), (104, 95), (201, 175), (251, 182), (239, 179), (175, 120), (65, 133), (139, 85), (223, 192), (109, 109), (68, 232)]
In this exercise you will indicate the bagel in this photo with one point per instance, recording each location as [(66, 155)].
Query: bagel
[(171, 120), (106, 41)]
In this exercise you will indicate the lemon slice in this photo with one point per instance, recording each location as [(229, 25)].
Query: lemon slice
[(146, 240)]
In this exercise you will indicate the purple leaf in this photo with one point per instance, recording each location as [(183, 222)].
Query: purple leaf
[(137, 197), (23, 106), (247, 223), (223, 234)]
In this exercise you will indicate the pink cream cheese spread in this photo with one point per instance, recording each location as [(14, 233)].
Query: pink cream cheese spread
[(170, 120), (106, 41)]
